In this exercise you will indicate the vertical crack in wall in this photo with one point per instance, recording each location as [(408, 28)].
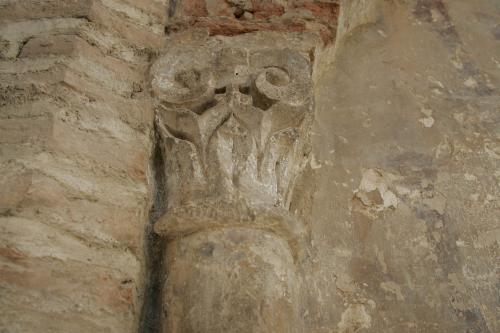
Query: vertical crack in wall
[(150, 321)]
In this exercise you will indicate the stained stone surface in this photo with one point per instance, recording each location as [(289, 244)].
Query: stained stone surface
[(233, 116), (405, 213), (398, 201), (247, 278), (75, 121), (234, 126)]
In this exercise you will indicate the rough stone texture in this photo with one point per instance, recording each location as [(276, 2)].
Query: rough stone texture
[(405, 214), (75, 125), (233, 118), (400, 198), (231, 18), (231, 280), (234, 105), (234, 115)]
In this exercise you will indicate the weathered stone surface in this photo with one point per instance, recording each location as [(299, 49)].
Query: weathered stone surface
[(75, 141), (246, 277), (233, 116), (389, 224), (234, 123), (230, 18), (405, 216)]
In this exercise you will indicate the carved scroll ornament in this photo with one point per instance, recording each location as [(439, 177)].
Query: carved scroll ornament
[(234, 124)]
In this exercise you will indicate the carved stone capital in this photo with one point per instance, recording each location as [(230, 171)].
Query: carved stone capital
[(233, 115)]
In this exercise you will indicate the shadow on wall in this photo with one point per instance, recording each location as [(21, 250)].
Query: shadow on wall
[(151, 312)]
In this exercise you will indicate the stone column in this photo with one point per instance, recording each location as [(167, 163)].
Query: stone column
[(233, 114)]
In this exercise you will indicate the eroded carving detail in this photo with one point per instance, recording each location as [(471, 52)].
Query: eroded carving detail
[(234, 123)]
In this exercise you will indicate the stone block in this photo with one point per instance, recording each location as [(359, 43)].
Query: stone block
[(111, 21), (23, 131), (88, 61), (66, 277), (91, 144), (14, 34), (15, 181), (16, 10)]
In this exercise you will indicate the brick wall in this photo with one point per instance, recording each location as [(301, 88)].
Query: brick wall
[(75, 139)]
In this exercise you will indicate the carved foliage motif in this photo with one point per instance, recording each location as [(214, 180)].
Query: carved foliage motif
[(233, 121)]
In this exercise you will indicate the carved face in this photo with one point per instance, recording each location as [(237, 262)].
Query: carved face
[(234, 121)]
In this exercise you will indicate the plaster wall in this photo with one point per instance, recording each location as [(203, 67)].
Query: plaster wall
[(405, 218)]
